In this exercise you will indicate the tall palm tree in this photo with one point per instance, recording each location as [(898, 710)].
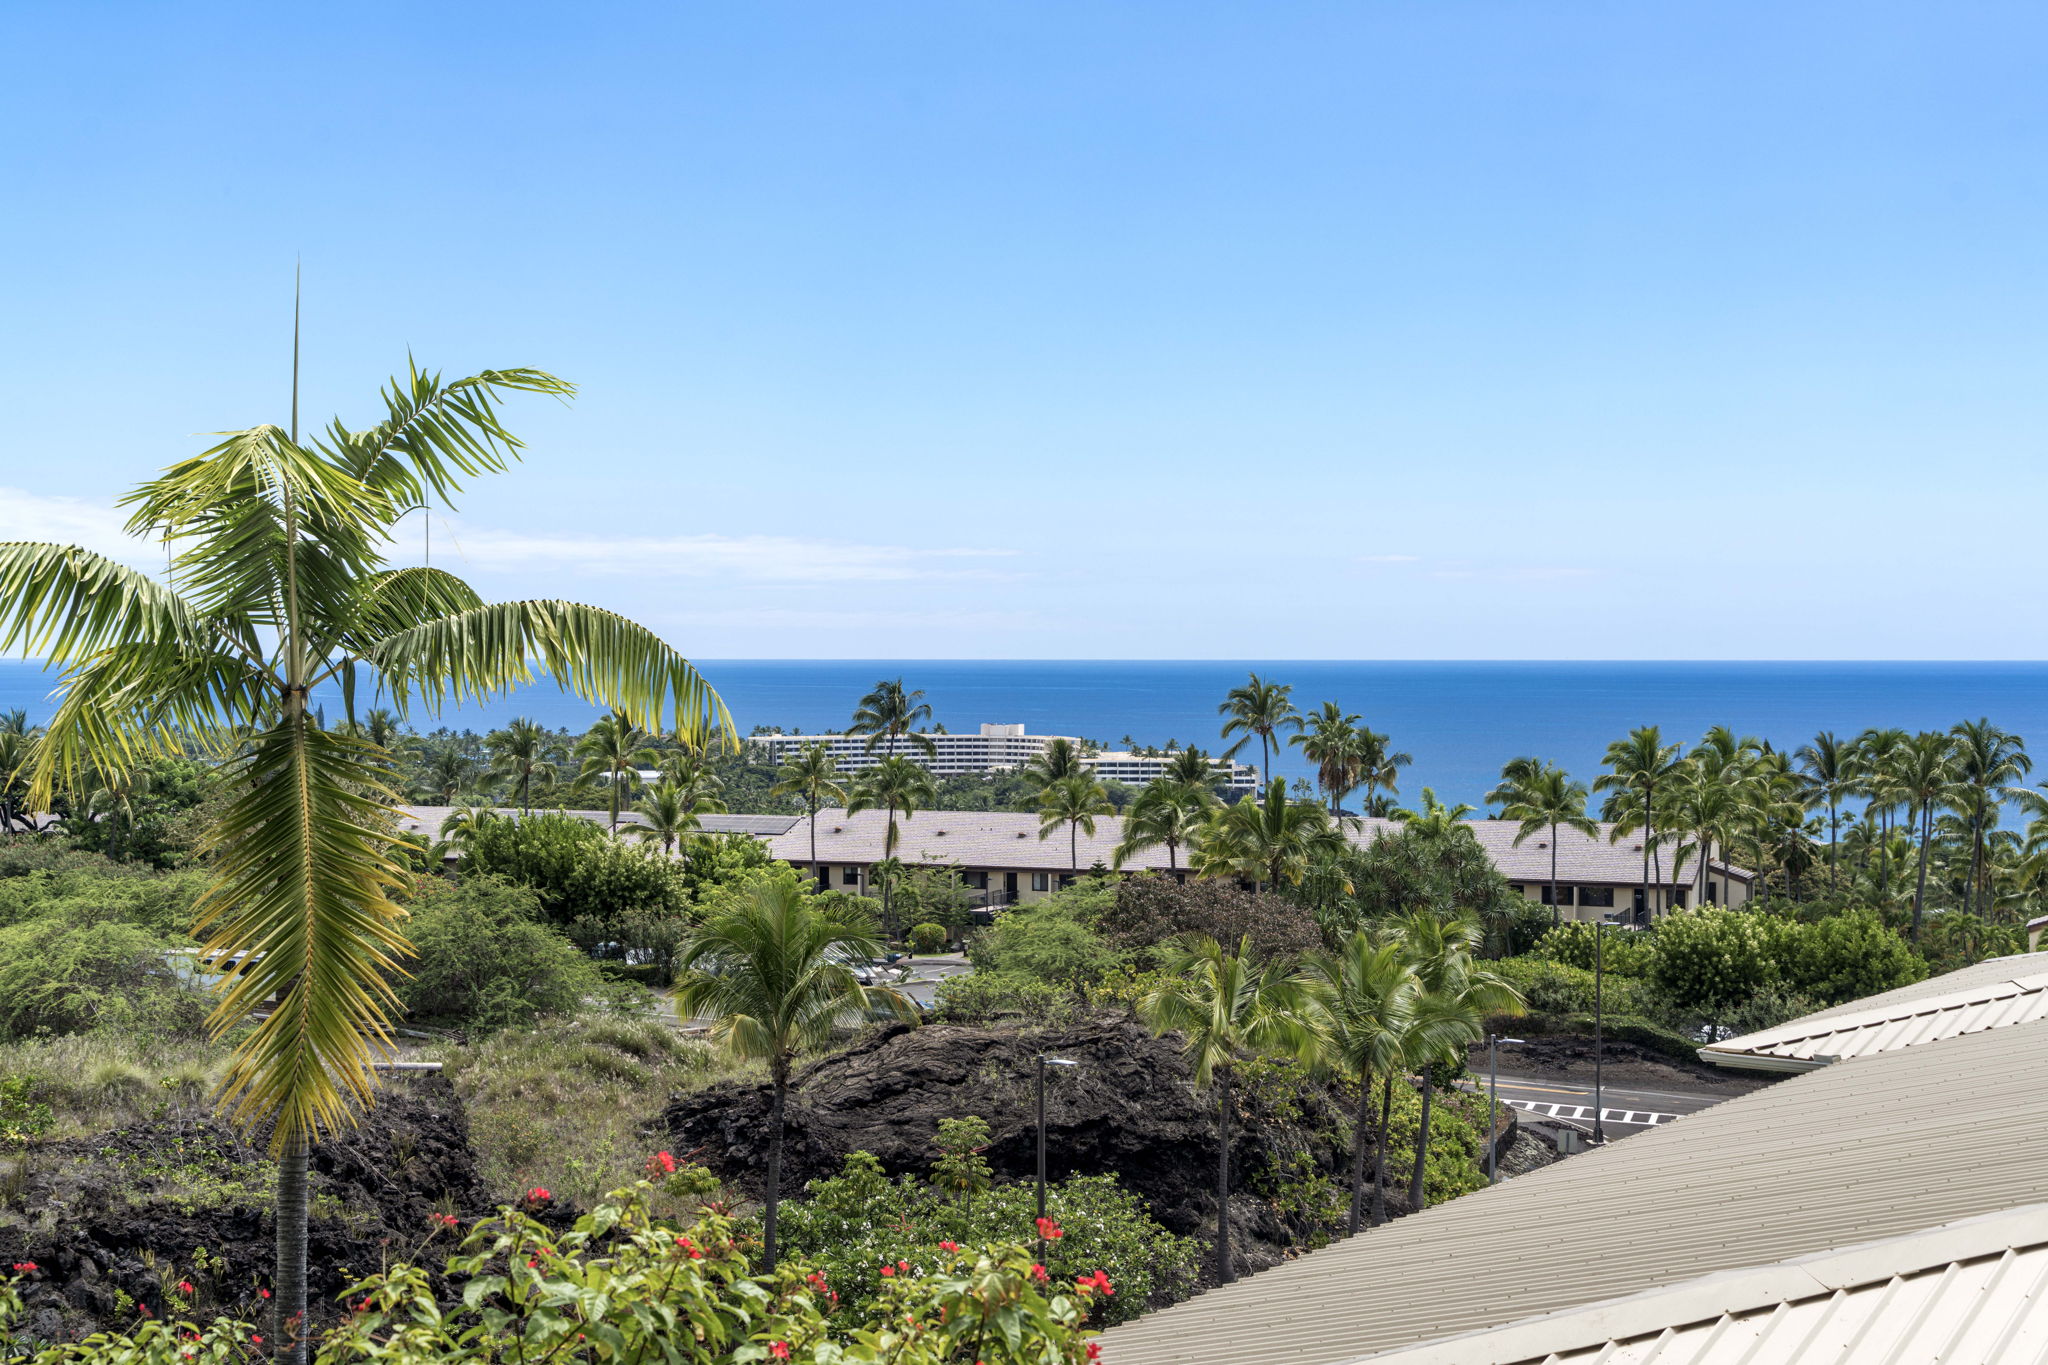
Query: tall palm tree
[(280, 589), (1828, 772), (1223, 1004), (1329, 738), (1878, 756), (613, 751), (1542, 796), (523, 751), (1072, 801), (1989, 762), (1458, 996), (896, 784), (1258, 708), (1378, 768), (1705, 800), (1926, 776), (1635, 768), (1059, 760), (670, 813), (1169, 813), (446, 776), (1366, 994), (1266, 842), (813, 778), (1191, 767), (889, 714), (772, 975)]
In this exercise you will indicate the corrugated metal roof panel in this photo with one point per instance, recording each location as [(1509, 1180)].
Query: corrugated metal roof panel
[(2017, 994), (1848, 1153), (1964, 1293)]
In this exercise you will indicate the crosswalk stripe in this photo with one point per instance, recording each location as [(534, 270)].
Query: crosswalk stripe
[(1580, 1111)]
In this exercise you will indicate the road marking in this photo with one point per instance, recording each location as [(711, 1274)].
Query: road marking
[(1584, 1111)]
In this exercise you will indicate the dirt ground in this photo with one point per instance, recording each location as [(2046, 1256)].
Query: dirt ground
[(1570, 1058)]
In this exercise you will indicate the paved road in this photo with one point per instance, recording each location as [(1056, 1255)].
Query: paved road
[(1624, 1111)]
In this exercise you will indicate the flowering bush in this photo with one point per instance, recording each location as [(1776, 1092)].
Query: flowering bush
[(624, 1285)]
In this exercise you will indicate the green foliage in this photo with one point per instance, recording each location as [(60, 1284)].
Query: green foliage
[(928, 938), (934, 894), (1842, 957), (1049, 940), (68, 971), (1768, 1008), (983, 997), (1423, 867), (624, 1284), (710, 861), (21, 855), (162, 905), (485, 961), (1709, 961), (23, 1117), (1956, 939), (1625, 952), (576, 868), (1553, 988), (860, 1219)]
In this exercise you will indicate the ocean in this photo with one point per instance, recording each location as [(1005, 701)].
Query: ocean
[(1460, 721)]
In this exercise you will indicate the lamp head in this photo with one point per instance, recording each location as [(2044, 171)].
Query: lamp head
[(1057, 1061)]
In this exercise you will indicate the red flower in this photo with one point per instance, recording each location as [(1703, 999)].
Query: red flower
[(778, 1349), (143, 1309), (888, 1270), (949, 1246), (264, 1292), (661, 1163), (1049, 1230), (1095, 1350), (24, 1267), (903, 1266), (185, 1286), (532, 1264), (537, 1195), (255, 1339), (1088, 1284), (1038, 1273)]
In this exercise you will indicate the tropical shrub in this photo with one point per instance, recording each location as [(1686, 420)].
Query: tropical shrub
[(1710, 961), (1553, 988), (624, 1285), (576, 868), (983, 997), (710, 861), (485, 960), (859, 1219), (1842, 957), (1152, 908), (1047, 941), (1768, 1008), (160, 904), (1625, 952), (928, 938), (1957, 939), (70, 972)]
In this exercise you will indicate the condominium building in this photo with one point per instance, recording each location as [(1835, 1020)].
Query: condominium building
[(994, 748)]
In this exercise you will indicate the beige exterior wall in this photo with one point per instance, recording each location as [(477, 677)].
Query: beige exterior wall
[(1728, 891)]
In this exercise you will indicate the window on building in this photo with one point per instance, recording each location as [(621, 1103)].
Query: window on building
[(1039, 881), (1564, 895), (977, 880), (849, 876), (1710, 891), (1678, 895), (1597, 895)]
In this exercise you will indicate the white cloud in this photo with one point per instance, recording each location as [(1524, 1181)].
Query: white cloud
[(751, 558), (72, 521)]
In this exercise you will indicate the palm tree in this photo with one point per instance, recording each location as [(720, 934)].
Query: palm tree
[(522, 752), (896, 784), (1191, 767), (1224, 1004), (1989, 762), (1258, 708), (772, 975), (1926, 776), (1378, 767), (446, 775), (15, 742), (1543, 797), (670, 812), (1073, 801), (613, 751), (1165, 812), (1366, 994), (1703, 799), (1330, 740), (280, 589), (1877, 758), (383, 728), (889, 713), (1458, 996), (1827, 773), (1435, 820), (813, 778), (1266, 842), (1059, 760), (1636, 767)]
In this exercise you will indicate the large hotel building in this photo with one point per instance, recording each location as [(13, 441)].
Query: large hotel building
[(993, 749)]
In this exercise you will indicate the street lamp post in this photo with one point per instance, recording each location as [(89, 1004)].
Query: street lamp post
[(1493, 1042), (1599, 1050), (1044, 1062)]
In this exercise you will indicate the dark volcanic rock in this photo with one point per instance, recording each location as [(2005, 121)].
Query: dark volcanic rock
[(1129, 1109)]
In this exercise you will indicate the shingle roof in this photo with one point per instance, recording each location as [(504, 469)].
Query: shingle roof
[(426, 821), (2015, 993), (1886, 1146), (1966, 1291), (1009, 839)]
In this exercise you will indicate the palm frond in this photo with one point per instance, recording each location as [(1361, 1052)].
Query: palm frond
[(435, 434), (66, 604)]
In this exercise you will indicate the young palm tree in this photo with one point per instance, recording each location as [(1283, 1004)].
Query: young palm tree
[(523, 751), (383, 728), (1169, 813), (813, 778), (15, 740), (1074, 802), (1330, 740), (1258, 708), (613, 751), (280, 589), (772, 975), (1378, 769), (1435, 820), (1543, 797), (1266, 842), (1828, 773), (897, 784), (670, 812), (1458, 996), (890, 714), (1989, 763), (1224, 1004), (1366, 994), (1637, 766)]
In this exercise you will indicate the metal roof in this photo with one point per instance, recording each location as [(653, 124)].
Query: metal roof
[(1991, 969), (1975, 1290), (1894, 1144), (2017, 994)]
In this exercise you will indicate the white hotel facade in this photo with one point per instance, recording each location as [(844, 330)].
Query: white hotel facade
[(994, 748)]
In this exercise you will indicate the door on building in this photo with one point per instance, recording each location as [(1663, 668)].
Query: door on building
[(1009, 888)]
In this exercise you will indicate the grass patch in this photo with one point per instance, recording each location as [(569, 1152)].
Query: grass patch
[(96, 1081), (562, 1104)]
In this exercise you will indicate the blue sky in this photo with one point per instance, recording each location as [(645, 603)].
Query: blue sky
[(1477, 330)]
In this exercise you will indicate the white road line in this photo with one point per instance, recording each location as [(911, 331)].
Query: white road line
[(1581, 1111)]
